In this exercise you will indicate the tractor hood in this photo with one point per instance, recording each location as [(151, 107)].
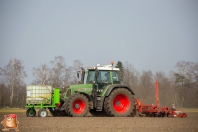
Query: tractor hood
[(79, 88)]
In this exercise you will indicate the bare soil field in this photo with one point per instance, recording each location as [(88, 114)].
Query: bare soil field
[(105, 124)]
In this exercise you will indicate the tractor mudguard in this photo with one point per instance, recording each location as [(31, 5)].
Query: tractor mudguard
[(117, 86), (85, 94)]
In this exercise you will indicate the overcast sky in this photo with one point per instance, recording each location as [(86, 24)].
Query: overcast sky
[(150, 34)]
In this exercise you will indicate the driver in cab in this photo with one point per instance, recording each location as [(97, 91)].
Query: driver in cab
[(107, 77)]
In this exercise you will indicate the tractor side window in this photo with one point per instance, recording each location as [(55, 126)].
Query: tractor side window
[(90, 77), (115, 77)]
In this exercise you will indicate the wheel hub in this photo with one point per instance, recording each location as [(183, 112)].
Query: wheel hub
[(43, 114), (77, 106), (121, 103), (118, 103)]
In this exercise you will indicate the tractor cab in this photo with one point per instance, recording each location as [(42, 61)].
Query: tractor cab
[(96, 76), (102, 75)]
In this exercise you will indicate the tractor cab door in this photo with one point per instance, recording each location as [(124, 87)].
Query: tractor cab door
[(95, 88), (102, 79)]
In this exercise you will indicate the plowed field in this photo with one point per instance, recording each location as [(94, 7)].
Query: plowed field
[(105, 124)]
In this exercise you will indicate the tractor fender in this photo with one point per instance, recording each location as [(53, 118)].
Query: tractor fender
[(88, 96), (114, 86), (90, 99)]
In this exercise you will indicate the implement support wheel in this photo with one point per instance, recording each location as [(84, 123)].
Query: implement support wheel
[(42, 113), (31, 112)]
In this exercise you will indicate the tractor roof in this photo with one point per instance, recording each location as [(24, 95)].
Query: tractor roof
[(106, 67)]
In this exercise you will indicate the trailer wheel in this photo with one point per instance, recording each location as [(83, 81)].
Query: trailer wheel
[(119, 103), (42, 113), (77, 105), (31, 112)]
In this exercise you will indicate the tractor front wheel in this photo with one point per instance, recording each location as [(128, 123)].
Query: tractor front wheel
[(77, 105), (119, 103)]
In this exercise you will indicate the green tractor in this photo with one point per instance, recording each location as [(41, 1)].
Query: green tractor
[(101, 91)]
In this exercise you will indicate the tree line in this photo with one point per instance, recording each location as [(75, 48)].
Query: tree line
[(180, 87), (13, 87)]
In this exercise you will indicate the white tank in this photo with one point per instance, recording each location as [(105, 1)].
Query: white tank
[(37, 94)]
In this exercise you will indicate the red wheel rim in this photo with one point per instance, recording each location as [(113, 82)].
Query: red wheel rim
[(78, 106), (121, 103)]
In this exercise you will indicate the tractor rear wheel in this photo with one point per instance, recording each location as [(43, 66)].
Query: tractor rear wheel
[(119, 103), (77, 105)]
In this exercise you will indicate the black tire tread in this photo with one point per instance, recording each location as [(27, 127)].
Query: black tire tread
[(108, 108), (28, 115), (69, 110)]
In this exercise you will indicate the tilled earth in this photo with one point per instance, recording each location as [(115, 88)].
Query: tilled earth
[(105, 124)]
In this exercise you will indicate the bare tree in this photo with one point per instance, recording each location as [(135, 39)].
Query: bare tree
[(77, 64), (147, 86), (186, 78), (195, 73), (146, 79), (4, 96), (130, 75), (42, 74), (58, 71), (67, 77), (186, 69), (13, 75)]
